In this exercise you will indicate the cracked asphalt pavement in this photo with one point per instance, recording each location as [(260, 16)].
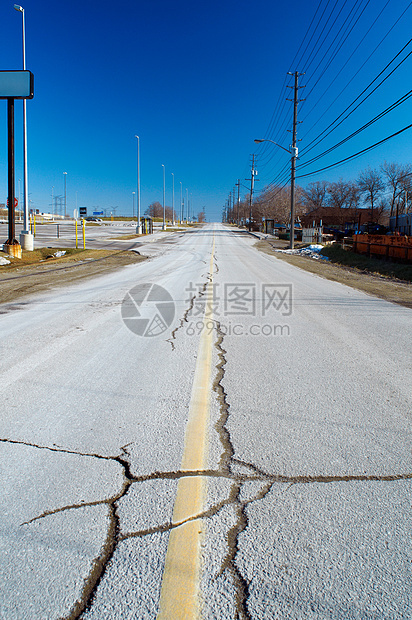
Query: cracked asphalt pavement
[(305, 494)]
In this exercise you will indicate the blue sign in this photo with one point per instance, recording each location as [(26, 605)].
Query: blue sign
[(16, 85)]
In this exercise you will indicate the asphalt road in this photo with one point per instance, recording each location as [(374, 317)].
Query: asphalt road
[(234, 444)]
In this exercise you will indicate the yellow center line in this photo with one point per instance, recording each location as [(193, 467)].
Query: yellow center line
[(179, 597)]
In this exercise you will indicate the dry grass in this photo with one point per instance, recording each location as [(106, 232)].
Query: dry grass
[(385, 287), (39, 270)]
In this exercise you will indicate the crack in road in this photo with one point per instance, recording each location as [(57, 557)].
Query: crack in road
[(100, 563), (183, 320), (188, 310), (226, 462), (57, 448), (225, 470), (114, 535)]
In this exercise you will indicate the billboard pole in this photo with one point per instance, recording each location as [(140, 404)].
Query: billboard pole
[(11, 246), (13, 85)]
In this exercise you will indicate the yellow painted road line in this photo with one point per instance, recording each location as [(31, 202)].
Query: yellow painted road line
[(179, 597)]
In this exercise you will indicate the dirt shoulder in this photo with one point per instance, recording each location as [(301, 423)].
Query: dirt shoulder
[(36, 273), (386, 288)]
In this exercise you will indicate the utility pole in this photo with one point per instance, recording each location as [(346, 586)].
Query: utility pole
[(293, 160), (252, 183), (238, 200), (234, 203)]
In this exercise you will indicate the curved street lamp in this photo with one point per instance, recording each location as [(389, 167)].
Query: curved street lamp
[(294, 153)]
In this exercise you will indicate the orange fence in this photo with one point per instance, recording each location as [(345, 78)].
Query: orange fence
[(385, 246)]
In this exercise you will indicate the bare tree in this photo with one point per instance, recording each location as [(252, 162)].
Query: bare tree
[(155, 209), (343, 194), (314, 196), (371, 186), (354, 195), (273, 203), (399, 181)]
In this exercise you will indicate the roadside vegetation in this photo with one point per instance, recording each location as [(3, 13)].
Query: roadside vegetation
[(364, 276), (336, 254), (48, 255)]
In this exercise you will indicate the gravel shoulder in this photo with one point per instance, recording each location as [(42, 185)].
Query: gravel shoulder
[(392, 290), (18, 280)]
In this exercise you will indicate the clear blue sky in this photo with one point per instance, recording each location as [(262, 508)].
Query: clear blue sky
[(198, 81)]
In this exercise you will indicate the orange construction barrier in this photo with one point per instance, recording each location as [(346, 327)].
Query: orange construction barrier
[(385, 246)]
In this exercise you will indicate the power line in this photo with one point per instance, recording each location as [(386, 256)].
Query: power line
[(338, 43), (330, 126), (281, 94), (323, 25), (389, 109), (309, 147), (347, 61), (369, 148)]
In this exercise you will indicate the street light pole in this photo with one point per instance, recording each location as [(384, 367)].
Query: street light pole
[(164, 197), (173, 199), (181, 202), (139, 225), (26, 238), (133, 193), (65, 194)]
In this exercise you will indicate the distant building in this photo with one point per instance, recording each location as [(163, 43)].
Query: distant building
[(343, 219), (401, 224)]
